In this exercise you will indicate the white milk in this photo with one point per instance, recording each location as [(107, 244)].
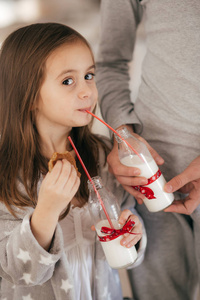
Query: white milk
[(148, 169), (117, 255)]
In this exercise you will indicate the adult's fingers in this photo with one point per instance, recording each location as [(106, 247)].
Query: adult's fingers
[(191, 173), (185, 206)]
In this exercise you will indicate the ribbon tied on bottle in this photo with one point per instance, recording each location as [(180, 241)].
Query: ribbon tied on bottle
[(149, 194), (115, 233)]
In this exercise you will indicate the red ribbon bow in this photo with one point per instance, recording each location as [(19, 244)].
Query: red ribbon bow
[(114, 233), (149, 194)]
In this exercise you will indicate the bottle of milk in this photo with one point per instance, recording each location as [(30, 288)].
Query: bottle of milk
[(134, 153), (117, 255)]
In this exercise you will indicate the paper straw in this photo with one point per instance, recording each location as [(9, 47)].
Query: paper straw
[(89, 112), (90, 179)]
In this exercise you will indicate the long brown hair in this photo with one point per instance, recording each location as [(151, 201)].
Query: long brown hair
[(22, 62)]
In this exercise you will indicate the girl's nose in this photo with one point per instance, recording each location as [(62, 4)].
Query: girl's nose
[(85, 91)]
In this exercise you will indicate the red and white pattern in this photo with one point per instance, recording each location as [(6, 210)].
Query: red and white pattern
[(149, 194), (115, 233)]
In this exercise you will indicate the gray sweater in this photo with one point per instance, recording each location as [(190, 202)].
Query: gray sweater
[(167, 114), (28, 272)]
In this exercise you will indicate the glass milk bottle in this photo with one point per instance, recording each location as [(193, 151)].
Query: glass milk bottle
[(117, 255), (156, 198)]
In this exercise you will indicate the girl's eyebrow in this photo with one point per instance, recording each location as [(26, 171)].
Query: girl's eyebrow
[(92, 67), (72, 70)]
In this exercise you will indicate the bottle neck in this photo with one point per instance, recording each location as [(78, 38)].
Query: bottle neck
[(97, 181), (123, 132)]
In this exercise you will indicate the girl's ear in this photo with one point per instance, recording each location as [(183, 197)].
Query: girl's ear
[(33, 107), (35, 104)]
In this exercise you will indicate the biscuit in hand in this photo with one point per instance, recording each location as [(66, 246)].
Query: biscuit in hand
[(59, 156)]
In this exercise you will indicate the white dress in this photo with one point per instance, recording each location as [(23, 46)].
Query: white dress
[(79, 243)]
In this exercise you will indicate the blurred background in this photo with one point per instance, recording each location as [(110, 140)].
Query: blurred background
[(84, 16)]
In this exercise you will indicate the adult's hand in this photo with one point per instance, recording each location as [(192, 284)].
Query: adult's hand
[(128, 176), (187, 182)]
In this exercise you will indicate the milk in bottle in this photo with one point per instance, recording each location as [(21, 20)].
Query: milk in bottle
[(156, 198), (117, 255)]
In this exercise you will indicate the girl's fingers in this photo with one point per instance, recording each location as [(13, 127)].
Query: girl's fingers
[(75, 184), (72, 178), (55, 173), (129, 242), (130, 239), (62, 182), (125, 214), (64, 174)]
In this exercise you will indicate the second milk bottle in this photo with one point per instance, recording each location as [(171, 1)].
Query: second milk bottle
[(117, 255), (134, 153)]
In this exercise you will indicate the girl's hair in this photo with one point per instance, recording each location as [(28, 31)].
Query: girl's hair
[(22, 63)]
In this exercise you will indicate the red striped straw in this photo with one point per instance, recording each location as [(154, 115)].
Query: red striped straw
[(89, 112), (90, 179)]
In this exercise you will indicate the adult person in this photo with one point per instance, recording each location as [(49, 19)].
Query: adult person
[(166, 116)]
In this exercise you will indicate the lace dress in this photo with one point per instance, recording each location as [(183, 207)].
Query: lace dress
[(79, 243)]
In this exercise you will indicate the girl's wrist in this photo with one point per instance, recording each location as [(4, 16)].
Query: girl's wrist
[(43, 226), (46, 212)]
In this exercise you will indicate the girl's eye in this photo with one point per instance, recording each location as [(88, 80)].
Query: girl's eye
[(68, 81), (89, 76)]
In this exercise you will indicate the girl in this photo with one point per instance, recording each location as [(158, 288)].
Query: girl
[(47, 249)]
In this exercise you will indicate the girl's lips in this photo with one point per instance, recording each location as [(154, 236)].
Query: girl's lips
[(84, 109)]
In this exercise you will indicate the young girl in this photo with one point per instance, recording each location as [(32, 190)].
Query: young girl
[(47, 249)]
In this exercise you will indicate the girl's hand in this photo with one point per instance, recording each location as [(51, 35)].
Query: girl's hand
[(130, 240), (58, 188)]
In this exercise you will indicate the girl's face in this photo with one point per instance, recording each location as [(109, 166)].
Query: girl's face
[(68, 89)]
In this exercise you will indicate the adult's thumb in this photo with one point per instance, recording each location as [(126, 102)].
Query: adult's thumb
[(176, 183)]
